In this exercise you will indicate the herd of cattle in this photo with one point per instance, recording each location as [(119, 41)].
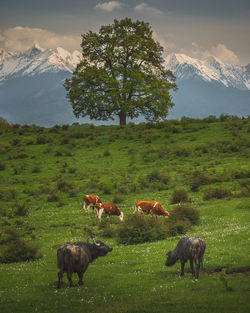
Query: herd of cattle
[(75, 258), (150, 207)]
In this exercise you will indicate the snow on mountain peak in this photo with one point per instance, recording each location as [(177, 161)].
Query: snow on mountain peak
[(37, 60), (209, 69)]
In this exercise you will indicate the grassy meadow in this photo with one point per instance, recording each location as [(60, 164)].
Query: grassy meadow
[(46, 171)]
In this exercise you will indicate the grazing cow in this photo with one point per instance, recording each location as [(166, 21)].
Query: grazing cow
[(75, 258), (152, 207), (90, 200), (109, 209), (188, 248)]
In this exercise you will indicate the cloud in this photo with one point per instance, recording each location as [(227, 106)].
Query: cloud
[(109, 6), (223, 53), (22, 38), (220, 51), (166, 42), (144, 8)]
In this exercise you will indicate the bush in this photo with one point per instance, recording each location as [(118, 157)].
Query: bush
[(41, 139), (198, 179), (179, 195), (53, 197), (21, 155), (139, 229), (157, 181), (178, 227), (184, 213), (16, 249), (106, 230), (36, 169), (118, 198), (8, 194), (2, 166), (21, 210), (106, 153), (216, 193)]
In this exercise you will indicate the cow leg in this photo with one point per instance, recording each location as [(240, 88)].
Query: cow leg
[(60, 277), (192, 266), (100, 214), (96, 214), (139, 210), (80, 275), (197, 265), (69, 275), (84, 207), (182, 267), (136, 210)]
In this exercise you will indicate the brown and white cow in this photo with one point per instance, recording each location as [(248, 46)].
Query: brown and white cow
[(109, 209), (152, 207), (89, 201)]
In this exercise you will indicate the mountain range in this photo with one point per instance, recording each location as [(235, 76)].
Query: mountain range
[(32, 91)]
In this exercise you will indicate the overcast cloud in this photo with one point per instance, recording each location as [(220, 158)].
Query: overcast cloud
[(197, 28)]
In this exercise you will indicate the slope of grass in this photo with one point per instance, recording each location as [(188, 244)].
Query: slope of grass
[(46, 172)]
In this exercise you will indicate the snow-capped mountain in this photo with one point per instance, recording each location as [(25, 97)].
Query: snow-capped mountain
[(210, 69), (32, 91), (36, 61)]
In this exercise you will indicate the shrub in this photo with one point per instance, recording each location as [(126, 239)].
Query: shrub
[(139, 229), (216, 193), (184, 213), (107, 230), (72, 170), (53, 197), (178, 227), (41, 139), (21, 210), (8, 194), (21, 155), (36, 169), (159, 180), (179, 195), (4, 124), (63, 185), (118, 198), (2, 166), (154, 176), (16, 249), (197, 178), (106, 153)]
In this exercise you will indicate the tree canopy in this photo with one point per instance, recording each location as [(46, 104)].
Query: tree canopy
[(121, 74)]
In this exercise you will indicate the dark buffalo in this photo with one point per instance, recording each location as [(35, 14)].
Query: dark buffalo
[(188, 248), (75, 258)]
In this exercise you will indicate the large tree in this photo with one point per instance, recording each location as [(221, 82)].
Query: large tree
[(121, 74)]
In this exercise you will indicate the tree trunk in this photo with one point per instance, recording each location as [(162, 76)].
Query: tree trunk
[(123, 117)]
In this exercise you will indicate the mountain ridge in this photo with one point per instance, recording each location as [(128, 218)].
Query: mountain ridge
[(32, 91), (37, 60), (209, 69)]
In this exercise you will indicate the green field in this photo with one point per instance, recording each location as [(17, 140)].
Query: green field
[(45, 173)]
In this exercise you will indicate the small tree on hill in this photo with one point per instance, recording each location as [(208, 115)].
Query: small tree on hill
[(121, 74)]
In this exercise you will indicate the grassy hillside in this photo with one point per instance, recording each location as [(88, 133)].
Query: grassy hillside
[(46, 172)]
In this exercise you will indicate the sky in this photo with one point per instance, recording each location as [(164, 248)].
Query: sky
[(198, 28)]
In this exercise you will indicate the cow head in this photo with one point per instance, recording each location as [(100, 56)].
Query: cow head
[(170, 258), (98, 206)]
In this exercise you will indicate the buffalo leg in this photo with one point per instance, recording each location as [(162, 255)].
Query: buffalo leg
[(192, 266), (182, 268), (80, 275), (60, 276), (197, 264), (69, 275)]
